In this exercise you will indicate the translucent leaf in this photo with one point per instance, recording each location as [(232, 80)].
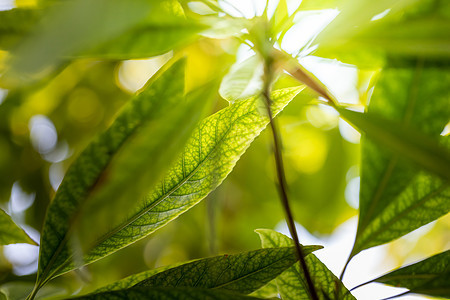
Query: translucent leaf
[(10, 233), (430, 276), (243, 80), (292, 284), (211, 153), (104, 29), (242, 273), (157, 293), (109, 178), (395, 196), (419, 31)]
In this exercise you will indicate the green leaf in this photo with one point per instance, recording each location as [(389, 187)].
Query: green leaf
[(15, 24), (157, 293), (430, 276), (109, 177), (419, 31), (211, 153), (114, 29), (292, 284), (405, 140), (355, 16), (134, 279), (10, 233), (241, 273), (395, 196), (243, 80)]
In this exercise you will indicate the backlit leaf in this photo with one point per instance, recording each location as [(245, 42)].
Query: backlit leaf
[(10, 233), (430, 276), (114, 29), (210, 155), (292, 284), (108, 177), (395, 196), (243, 80), (243, 272), (157, 293)]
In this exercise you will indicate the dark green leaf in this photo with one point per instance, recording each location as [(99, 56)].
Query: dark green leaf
[(395, 197), (430, 276), (211, 153), (156, 293), (108, 178), (10, 233), (292, 284), (134, 279), (242, 273)]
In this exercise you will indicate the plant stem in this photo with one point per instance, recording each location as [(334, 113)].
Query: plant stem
[(282, 185)]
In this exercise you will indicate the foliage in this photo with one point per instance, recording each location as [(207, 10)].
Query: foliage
[(136, 157)]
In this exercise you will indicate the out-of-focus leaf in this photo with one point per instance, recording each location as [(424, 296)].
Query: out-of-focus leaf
[(220, 28), (418, 31), (395, 197), (243, 80), (407, 141), (355, 16), (430, 276), (292, 284), (106, 29), (10, 233), (157, 293), (110, 177), (147, 40), (280, 16), (240, 273), (15, 24), (211, 153)]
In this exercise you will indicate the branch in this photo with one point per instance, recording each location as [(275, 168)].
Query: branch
[(282, 186)]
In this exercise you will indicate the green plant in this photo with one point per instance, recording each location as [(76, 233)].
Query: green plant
[(141, 166)]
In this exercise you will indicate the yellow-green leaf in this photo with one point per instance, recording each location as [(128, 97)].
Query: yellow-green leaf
[(10, 233), (209, 156), (111, 175)]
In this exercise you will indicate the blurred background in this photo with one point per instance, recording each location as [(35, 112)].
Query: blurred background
[(43, 126)]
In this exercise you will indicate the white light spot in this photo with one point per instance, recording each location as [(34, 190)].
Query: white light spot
[(380, 15), (42, 134), (349, 133), (56, 174), (20, 200), (133, 74), (7, 4), (352, 192), (23, 257), (3, 94), (58, 154)]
